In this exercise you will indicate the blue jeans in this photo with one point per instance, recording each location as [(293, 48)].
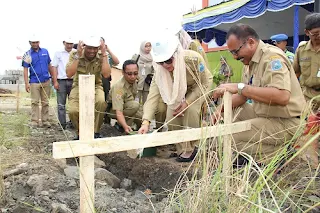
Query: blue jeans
[(65, 86)]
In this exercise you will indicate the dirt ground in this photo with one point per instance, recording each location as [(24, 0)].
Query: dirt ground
[(35, 182), (44, 185)]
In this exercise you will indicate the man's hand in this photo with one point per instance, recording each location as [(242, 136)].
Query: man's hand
[(143, 129), (127, 129), (80, 48), (219, 91), (216, 116), (27, 86), (56, 85), (180, 108), (102, 47)]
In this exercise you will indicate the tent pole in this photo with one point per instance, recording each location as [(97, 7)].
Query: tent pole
[(317, 6), (296, 27)]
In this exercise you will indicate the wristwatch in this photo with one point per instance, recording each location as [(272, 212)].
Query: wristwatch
[(240, 87), (76, 57), (146, 122)]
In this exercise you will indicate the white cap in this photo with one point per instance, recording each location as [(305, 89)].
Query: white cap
[(68, 40), (34, 38), (163, 48), (92, 41)]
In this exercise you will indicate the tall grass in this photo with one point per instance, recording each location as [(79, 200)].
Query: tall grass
[(253, 187)]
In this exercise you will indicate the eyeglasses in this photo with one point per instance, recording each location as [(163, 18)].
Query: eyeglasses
[(169, 61), (235, 52), (314, 34), (132, 73)]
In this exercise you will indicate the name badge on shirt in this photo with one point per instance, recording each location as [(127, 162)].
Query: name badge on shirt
[(318, 73)]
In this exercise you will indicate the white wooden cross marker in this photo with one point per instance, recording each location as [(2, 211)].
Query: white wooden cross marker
[(87, 147)]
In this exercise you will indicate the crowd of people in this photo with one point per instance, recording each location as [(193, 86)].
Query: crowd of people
[(169, 81)]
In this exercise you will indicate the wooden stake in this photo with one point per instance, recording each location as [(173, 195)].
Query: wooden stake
[(18, 96), (86, 128), (227, 153)]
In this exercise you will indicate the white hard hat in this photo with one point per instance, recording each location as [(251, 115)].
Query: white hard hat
[(176, 29), (34, 38), (68, 40), (92, 41), (164, 48)]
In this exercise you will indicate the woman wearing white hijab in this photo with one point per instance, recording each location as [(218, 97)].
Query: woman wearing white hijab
[(145, 71), (181, 79)]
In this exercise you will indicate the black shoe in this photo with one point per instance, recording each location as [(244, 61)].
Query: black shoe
[(97, 135), (193, 155), (107, 119), (119, 127), (240, 162)]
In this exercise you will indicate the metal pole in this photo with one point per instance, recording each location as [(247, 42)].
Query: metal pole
[(317, 6), (296, 27)]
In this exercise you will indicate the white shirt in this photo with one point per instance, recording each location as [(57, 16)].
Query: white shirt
[(60, 60)]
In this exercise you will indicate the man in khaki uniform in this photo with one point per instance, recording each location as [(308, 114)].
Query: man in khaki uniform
[(307, 59), (121, 102), (181, 78), (87, 61), (275, 91), (307, 66)]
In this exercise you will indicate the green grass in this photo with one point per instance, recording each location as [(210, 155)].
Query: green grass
[(13, 129)]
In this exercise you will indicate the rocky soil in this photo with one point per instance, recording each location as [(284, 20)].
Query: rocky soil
[(35, 182)]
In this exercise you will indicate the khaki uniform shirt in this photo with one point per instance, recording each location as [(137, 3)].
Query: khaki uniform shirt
[(86, 67), (307, 62), (196, 46), (122, 92), (270, 67), (197, 71)]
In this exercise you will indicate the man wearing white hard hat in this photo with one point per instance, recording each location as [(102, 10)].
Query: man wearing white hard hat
[(64, 84), (38, 62), (87, 61), (182, 80)]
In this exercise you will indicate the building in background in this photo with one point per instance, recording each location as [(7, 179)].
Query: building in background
[(12, 77)]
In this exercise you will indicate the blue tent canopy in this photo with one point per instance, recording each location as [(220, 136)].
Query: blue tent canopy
[(267, 17)]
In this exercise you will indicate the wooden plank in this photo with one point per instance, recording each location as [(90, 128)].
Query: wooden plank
[(69, 149), (86, 125), (8, 95), (227, 152)]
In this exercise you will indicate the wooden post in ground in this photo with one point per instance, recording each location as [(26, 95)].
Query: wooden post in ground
[(18, 96), (86, 130), (227, 152)]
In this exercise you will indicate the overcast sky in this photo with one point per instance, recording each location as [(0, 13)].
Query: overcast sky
[(123, 23)]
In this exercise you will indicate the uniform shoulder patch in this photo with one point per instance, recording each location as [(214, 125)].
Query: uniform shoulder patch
[(119, 94), (201, 67), (302, 43), (276, 65)]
